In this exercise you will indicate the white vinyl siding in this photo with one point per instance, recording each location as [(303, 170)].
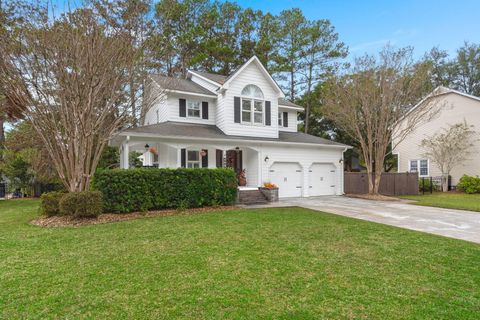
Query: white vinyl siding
[(225, 113), (455, 108), (292, 120)]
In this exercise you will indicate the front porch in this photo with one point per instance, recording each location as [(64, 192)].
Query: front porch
[(171, 154)]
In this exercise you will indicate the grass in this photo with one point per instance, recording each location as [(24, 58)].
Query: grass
[(289, 263), (449, 200)]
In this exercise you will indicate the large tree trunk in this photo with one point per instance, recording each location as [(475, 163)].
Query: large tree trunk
[(445, 182), (2, 135)]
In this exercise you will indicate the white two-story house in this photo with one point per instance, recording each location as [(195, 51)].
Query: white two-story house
[(242, 121)]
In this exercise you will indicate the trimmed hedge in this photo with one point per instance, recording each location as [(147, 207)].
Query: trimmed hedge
[(86, 204), (142, 189), (469, 184), (50, 203)]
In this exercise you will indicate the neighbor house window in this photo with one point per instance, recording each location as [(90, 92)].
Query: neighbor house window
[(193, 109), (158, 117), (252, 105), (280, 119), (420, 166), (193, 159)]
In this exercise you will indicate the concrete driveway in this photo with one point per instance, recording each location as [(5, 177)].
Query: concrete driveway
[(457, 224)]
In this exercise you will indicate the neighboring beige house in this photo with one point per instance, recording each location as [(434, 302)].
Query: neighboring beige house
[(454, 107)]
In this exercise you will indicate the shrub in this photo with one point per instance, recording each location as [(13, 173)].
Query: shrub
[(50, 203), (424, 185), (141, 189), (469, 184), (86, 204)]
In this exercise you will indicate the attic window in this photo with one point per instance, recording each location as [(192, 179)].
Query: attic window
[(252, 91), (252, 105)]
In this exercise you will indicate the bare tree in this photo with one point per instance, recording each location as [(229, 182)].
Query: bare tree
[(73, 75), (449, 147), (370, 100)]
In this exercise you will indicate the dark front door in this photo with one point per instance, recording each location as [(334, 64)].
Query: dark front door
[(234, 160)]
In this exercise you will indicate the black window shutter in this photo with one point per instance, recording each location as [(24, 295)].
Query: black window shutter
[(236, 109), (268, 113), (204, 110), (182, 105), (219, 158), (183, 157), (285, 119), (205, 159)]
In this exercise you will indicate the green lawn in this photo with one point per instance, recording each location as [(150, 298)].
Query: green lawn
[(450, 200), (287, 263)]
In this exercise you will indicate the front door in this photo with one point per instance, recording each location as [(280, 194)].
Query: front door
[(234, 160)]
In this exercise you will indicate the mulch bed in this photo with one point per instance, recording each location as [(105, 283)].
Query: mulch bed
[(378, 197), (68, 221)]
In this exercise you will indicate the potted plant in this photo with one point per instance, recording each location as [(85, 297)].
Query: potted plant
[(270, 191), (242, 179)]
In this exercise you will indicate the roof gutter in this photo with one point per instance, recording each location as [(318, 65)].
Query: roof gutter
[(150, 135)]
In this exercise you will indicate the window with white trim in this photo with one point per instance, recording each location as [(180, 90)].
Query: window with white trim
[(193, 159), (280, 119), (420, 166), (252, 105), (193, 109), (158, 117)]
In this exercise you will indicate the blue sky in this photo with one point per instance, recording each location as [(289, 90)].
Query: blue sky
[(367, 25)]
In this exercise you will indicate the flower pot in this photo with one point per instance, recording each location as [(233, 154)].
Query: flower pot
[(271, 194)]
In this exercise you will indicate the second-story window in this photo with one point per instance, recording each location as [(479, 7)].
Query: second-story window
[(252, 105), (193, 109)]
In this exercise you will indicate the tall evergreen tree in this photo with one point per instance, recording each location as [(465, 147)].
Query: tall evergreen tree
[(467, 66), (320, 55)]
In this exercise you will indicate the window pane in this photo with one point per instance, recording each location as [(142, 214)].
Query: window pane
[(423, 167), (246, 105), (280, 119), (252, 91), (193, 113), (193, 156), (246, 116), (413, 165), (258, 106), (258, 117), (194, 109)]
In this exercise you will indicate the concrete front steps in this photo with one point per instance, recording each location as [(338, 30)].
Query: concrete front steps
[(250, 196)]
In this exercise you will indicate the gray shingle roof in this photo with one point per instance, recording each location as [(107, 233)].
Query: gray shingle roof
[(186, 130), (171, 83), (218, 78), (288, 103)]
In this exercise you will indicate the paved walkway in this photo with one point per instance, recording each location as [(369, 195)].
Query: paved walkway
[(457, 224)]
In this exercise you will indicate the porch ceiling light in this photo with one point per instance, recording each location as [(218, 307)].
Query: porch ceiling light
[(147, 147)]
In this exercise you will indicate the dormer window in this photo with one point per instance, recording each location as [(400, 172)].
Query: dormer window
[(193, 109), (252, 105)]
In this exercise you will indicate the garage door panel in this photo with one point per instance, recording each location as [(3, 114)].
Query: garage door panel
[(288, 176), (322, 179)]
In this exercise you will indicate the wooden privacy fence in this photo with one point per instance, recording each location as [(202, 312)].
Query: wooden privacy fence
[(391, 184)]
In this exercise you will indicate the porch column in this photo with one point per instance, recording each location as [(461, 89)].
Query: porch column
[(124, 157), (259, 168), (179, 157)]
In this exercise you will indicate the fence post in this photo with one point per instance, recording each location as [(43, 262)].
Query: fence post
[(431, 185), (423, 185)]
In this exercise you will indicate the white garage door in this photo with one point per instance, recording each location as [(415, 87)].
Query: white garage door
[(321, 179), (288, 177)]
